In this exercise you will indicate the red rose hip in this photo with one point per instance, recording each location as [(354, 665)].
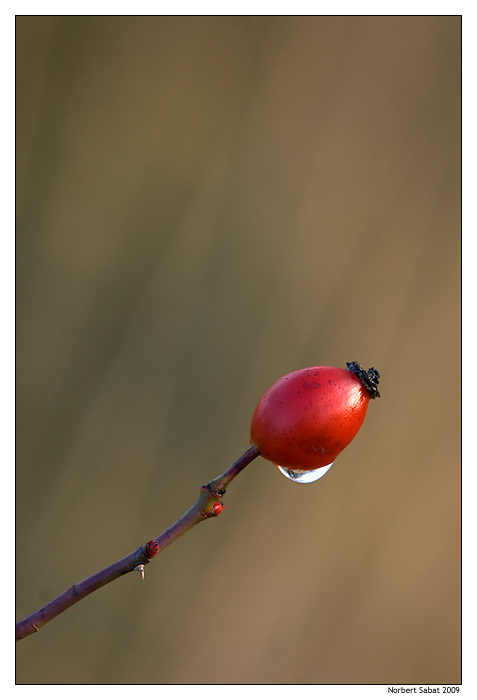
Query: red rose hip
[(309, 416)]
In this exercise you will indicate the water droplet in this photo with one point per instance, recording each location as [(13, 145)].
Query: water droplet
[(302, 477)]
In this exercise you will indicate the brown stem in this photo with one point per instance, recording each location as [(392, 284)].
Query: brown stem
[(205, 507)]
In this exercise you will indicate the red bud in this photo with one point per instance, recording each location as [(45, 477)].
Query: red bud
[(217, 508), (151, 549)]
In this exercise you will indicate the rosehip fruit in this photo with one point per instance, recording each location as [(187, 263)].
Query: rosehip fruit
[(309, 416)]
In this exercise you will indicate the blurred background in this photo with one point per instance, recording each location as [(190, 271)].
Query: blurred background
[(205, 204)]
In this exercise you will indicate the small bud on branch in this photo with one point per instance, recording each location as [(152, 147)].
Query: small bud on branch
[(217, 508), (151, 549)]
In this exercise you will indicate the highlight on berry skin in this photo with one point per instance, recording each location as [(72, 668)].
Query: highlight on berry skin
[(309, 416)]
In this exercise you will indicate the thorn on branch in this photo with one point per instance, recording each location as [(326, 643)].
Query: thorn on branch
[(140, 568)]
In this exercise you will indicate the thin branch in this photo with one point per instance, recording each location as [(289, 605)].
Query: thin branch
[(207, 505)]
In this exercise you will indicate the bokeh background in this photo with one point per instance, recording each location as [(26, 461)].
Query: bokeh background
[(206, 204)]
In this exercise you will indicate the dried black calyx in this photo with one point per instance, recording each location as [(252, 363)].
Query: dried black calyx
[(369, 379)]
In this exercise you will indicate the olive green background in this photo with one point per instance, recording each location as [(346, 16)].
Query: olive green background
[(206, 204)]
